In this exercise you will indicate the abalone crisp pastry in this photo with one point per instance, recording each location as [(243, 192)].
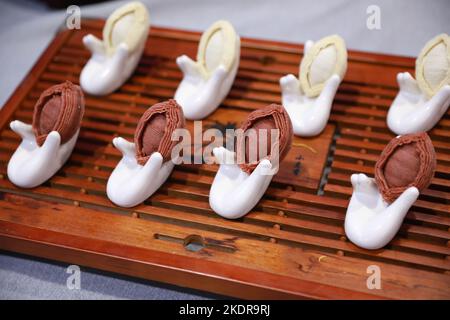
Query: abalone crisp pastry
[(433, 65), (128, 24), (273, 116), (327, 56), (217, 47), (154, 130), (407, 161), (59, 108)]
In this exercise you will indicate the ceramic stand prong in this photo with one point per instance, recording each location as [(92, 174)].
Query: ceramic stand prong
[(94, 44), (189, 67), (25, 131), (127, 148)]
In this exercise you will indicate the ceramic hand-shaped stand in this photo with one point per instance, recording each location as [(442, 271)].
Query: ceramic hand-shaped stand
[(31, 164), (115, 58), (370, 222), (412, 111), (309, 110), (309, 116), (378, 206), (421, 102), (131, 183), (207, 81), (233, 192)]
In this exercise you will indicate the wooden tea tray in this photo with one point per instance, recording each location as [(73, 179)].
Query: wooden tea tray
[(292, 245)]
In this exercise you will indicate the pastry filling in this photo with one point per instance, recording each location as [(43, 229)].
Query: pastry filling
[(153, 133), (323, 65), (263, 143), (435, 65), (402, 166), (121, 28), (50, 114), (214, 50)]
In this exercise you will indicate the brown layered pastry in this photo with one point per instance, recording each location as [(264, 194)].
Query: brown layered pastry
[(155, 128), (59, 108), (407, 161), (271, 117)]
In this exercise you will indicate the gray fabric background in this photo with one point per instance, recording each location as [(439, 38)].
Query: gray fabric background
[(26, 28)]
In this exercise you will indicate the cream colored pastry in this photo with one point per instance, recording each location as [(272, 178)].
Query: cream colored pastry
[(217, 46), (327, 56), (433, 65), (128, 24)]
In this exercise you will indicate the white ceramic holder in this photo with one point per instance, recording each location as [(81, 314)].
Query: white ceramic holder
[(412, 111), (114, 59), (370, 222), (207, 81), (233, 192), (131, 183), (309, 115), (31, 164)]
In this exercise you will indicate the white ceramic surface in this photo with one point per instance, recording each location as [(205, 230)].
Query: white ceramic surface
[(131, 183), (412, 111), (32, 165), (233, 192), (370, 222), (309, 116), (200, 93)]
